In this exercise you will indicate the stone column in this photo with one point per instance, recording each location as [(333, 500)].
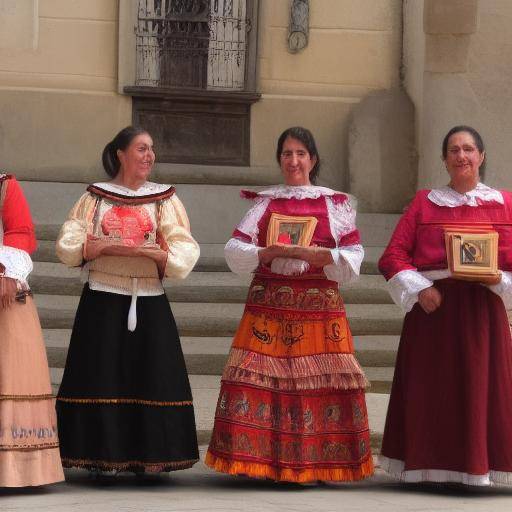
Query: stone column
[(441, 92)]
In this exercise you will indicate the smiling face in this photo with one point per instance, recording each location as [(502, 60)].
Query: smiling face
[(138, 158), (296, 162), (463, 159)]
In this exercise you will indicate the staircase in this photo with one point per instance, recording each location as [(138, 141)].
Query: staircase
[(209, 303)]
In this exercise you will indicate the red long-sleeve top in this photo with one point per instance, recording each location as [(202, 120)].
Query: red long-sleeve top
[(418, 240), (16, 219)]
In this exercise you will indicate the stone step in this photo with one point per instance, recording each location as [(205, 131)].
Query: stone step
[(208, 355), (221, 319), (211, 259), (212, 219), (54, 278), (205, 392)]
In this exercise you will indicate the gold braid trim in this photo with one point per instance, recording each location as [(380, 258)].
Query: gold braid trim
[(150, 467), (122, 401), (31, 447), (26, 397)]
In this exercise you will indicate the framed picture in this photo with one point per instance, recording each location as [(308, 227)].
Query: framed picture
[(290, 230), (473, 255)]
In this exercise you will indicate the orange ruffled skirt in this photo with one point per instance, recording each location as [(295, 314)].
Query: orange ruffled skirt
[(292, 405), (29, 447)]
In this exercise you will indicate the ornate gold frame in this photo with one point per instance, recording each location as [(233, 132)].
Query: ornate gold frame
[(305, 225), (473, 256)]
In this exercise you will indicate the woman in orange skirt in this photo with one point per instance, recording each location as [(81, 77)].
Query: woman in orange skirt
[(292, 405)]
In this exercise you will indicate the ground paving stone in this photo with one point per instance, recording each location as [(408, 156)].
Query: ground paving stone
[(200, 489)]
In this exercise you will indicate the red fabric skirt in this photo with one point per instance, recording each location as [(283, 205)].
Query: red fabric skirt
[(292, 405), (450, 412)]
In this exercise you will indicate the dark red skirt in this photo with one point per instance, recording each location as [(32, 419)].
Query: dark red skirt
[(450, 412)]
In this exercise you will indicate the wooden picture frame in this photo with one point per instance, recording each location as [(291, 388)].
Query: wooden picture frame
[(290, 230), (473, 255)]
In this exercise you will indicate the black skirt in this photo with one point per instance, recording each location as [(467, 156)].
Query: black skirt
[(125, 401)]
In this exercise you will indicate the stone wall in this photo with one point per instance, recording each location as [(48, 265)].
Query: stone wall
[(58, 82), (458, 71), (354, 49)]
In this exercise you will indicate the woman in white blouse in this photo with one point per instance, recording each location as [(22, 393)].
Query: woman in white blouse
[(125, 402), (292, 405)]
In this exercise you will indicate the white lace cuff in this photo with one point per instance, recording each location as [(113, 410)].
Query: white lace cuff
[(17, 263), (504, 289), (289, 266), (346, 264), (405, 286), (241, 257)]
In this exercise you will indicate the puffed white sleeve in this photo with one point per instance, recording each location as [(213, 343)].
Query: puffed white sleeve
[(17, 263), (504, 288), (72, 236), (182, 250), (241, 251), (349, 253)]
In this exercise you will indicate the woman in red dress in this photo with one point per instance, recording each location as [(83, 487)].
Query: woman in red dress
[(450, 412), (292, 404)]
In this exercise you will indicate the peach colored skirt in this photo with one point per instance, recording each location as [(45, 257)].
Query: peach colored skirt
[(29, 445)]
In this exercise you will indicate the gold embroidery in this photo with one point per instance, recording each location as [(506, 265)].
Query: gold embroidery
[(123, 466), (26, 397), (30, 447), (122, 401)]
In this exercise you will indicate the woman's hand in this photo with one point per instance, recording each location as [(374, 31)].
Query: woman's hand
[(430, 299), (315, 256), (8, 290), (267, 254)]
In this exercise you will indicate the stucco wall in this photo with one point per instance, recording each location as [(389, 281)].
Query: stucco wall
[(59, 83), (354, 48), (465, 79), (58, 100)]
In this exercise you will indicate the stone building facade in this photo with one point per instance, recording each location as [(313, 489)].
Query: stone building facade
[(379, 83)]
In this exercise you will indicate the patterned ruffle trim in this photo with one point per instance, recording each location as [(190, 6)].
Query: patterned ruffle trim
[(281, 313), (258, 470), (134, 466), (395, 468), (301, 367), (336, 381)]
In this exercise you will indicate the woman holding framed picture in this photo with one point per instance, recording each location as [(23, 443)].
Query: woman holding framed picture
[(292, 405), (448, 265)]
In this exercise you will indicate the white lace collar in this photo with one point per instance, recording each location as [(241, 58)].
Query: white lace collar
[(149, 188), (446, 196), (298, 192)]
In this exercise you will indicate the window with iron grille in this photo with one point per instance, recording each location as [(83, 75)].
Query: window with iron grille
[(198, 44), (190, 67)]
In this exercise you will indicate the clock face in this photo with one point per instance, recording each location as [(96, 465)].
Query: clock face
[(297, 41)]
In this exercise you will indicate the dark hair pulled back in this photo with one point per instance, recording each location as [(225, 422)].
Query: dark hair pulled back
[(304, 136), (476, 137), (121, 141)]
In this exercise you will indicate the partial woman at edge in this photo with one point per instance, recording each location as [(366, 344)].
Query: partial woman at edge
[(29, 445)]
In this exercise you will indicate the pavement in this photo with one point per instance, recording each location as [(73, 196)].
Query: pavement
[(200, 489)]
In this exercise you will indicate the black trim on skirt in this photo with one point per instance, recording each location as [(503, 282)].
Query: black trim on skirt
[(125, 400)]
